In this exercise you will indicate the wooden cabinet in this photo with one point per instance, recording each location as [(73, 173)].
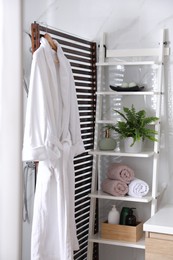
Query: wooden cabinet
[(158, 246), (159, 235)]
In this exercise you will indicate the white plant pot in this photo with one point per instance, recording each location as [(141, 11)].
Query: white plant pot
[(136, 148)]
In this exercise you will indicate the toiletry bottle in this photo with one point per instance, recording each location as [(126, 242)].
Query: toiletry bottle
[(124, 213), (107, 143), (113, 216), (130, 218)]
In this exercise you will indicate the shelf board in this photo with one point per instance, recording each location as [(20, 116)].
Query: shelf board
[(97, 239), (114, 122), (143, 154), (102, 195), (129, 93), (105, 122), (132, 63)]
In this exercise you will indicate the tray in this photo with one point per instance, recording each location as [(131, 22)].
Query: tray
[(120, 89)]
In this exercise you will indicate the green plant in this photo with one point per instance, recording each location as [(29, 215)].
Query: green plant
[(135, 125)]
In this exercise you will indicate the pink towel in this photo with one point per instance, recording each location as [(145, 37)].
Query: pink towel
[(114, 187), (121, 172)]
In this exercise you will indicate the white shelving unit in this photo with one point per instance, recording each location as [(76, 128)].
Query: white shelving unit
[(121, 59)]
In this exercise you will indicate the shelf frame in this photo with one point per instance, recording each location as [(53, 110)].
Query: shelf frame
[(126, 63), (122, 58), (126, 93), (96, 238), (102, 195), (143, 154)]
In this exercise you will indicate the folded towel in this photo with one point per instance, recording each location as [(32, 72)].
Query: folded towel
[(138, 188), (115, 187), (121, 172)]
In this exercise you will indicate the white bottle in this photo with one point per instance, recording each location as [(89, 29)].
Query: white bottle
[(113, 216)]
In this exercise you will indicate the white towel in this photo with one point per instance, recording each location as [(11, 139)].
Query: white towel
[(138, 188)]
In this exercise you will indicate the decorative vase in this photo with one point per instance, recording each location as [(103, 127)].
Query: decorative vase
[(136, 148), (107, 143)]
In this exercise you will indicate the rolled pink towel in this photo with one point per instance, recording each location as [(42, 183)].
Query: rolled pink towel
[(121, 172), (115, 187)]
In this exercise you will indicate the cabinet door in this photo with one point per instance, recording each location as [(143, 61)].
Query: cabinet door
[(159, 247)]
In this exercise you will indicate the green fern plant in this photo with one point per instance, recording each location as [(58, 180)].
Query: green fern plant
[(135, 125)]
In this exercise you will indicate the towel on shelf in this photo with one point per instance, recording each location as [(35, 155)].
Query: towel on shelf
[(138, 188), (115, 187), (121, 172)]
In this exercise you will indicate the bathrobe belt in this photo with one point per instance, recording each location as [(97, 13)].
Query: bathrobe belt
[(55, 148)]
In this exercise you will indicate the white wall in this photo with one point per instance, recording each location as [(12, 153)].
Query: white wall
[(10, 129), (128, 24)]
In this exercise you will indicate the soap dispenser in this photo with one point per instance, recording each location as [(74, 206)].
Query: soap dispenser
[(107, 143), (123, 215), (113, 216), (130, 218)]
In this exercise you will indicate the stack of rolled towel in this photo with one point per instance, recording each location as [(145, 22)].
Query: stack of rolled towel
[(121, 181)]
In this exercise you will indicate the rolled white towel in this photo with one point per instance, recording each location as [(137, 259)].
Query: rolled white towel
[(138, 188)]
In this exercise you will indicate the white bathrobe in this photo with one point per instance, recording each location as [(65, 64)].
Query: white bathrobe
[(52, 136)]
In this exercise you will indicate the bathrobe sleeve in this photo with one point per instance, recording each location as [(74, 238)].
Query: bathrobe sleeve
[(36, 122), (33, 145)]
